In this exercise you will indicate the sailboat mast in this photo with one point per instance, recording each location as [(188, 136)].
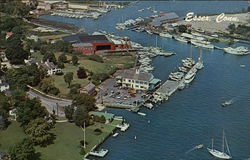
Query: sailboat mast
[(212, 143), (223, 141), (227, 146), (191, 54), (156, 41)]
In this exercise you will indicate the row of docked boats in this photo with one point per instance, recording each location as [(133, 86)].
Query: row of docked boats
[(178, 80), (237, 51), (187, 72), (76, 14)]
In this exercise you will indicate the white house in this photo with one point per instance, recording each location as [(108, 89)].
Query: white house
[(51, 68), (133, 78)]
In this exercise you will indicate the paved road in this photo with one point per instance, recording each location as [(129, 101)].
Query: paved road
[(50, 104)]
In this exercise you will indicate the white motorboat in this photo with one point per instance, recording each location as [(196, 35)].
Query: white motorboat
[(181, 39), (221, 154), (149, 105), (100, 153), (203, 44), (116, 134), (227, 103), (189, 80), (183, 69), (167, 35)]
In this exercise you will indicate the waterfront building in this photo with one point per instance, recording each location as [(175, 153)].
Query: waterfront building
[(95, 44), (170, 17), (43, 6), (137, 80)]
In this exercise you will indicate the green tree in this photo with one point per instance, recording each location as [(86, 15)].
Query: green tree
[(62, 58), (7, 23), (3, 122), (69, 112), (23, 151), (4, 109), (38, 130), (29, 110), (85, 100), (63, 46), (74, 60), (68, 77), (47, 86), (81, 73), (18, 78), (15, 51), (50, 57), (182, 28), (80, 116)]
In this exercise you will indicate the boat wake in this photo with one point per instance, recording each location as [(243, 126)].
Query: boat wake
[(194, 148)]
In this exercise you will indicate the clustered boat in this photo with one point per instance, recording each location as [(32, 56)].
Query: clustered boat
[(237, 51)]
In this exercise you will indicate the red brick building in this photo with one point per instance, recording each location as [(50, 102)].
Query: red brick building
[(91, 44)]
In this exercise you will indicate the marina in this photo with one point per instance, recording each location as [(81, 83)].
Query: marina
[(193, 112)]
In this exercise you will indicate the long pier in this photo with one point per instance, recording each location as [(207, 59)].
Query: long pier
[(170, 86)]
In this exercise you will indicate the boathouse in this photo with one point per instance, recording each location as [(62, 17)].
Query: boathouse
[(90, 44), (170, 17)]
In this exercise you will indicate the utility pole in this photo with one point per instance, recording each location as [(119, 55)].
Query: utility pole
[(84, 136)]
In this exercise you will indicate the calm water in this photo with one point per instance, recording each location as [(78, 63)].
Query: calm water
[(192, 116)]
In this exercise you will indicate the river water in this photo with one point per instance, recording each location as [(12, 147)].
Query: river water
[(192, 116)]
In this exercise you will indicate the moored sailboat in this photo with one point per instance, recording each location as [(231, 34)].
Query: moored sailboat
[(221, 154)]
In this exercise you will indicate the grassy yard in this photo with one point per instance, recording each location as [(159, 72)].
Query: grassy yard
[(67, 143), (110, 62), (11, 136)]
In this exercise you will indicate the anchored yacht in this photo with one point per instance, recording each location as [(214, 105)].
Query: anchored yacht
[(221, 154)]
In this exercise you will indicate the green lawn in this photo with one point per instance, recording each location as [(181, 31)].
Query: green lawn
[(66, 146), (10, 136)]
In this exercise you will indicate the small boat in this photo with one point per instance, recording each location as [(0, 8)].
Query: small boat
[(199, 146), (149, 105), (221, 154), (142, 114), (101, 153), (242, 65), (115, 135), (227, 103)]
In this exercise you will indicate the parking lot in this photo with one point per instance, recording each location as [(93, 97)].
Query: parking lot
[(111, 93)]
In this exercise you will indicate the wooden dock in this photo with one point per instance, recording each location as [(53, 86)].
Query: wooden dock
[(168, 88)]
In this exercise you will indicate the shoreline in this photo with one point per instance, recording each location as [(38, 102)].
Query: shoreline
[(63, 27)]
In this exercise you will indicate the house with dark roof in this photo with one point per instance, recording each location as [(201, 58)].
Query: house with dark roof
[(135, 79), (170, 17), (90, 44), (88, 89)]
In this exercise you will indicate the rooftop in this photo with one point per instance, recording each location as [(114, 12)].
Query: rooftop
[(167, 16), (84, 38), (90, 86), (135, 74)]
